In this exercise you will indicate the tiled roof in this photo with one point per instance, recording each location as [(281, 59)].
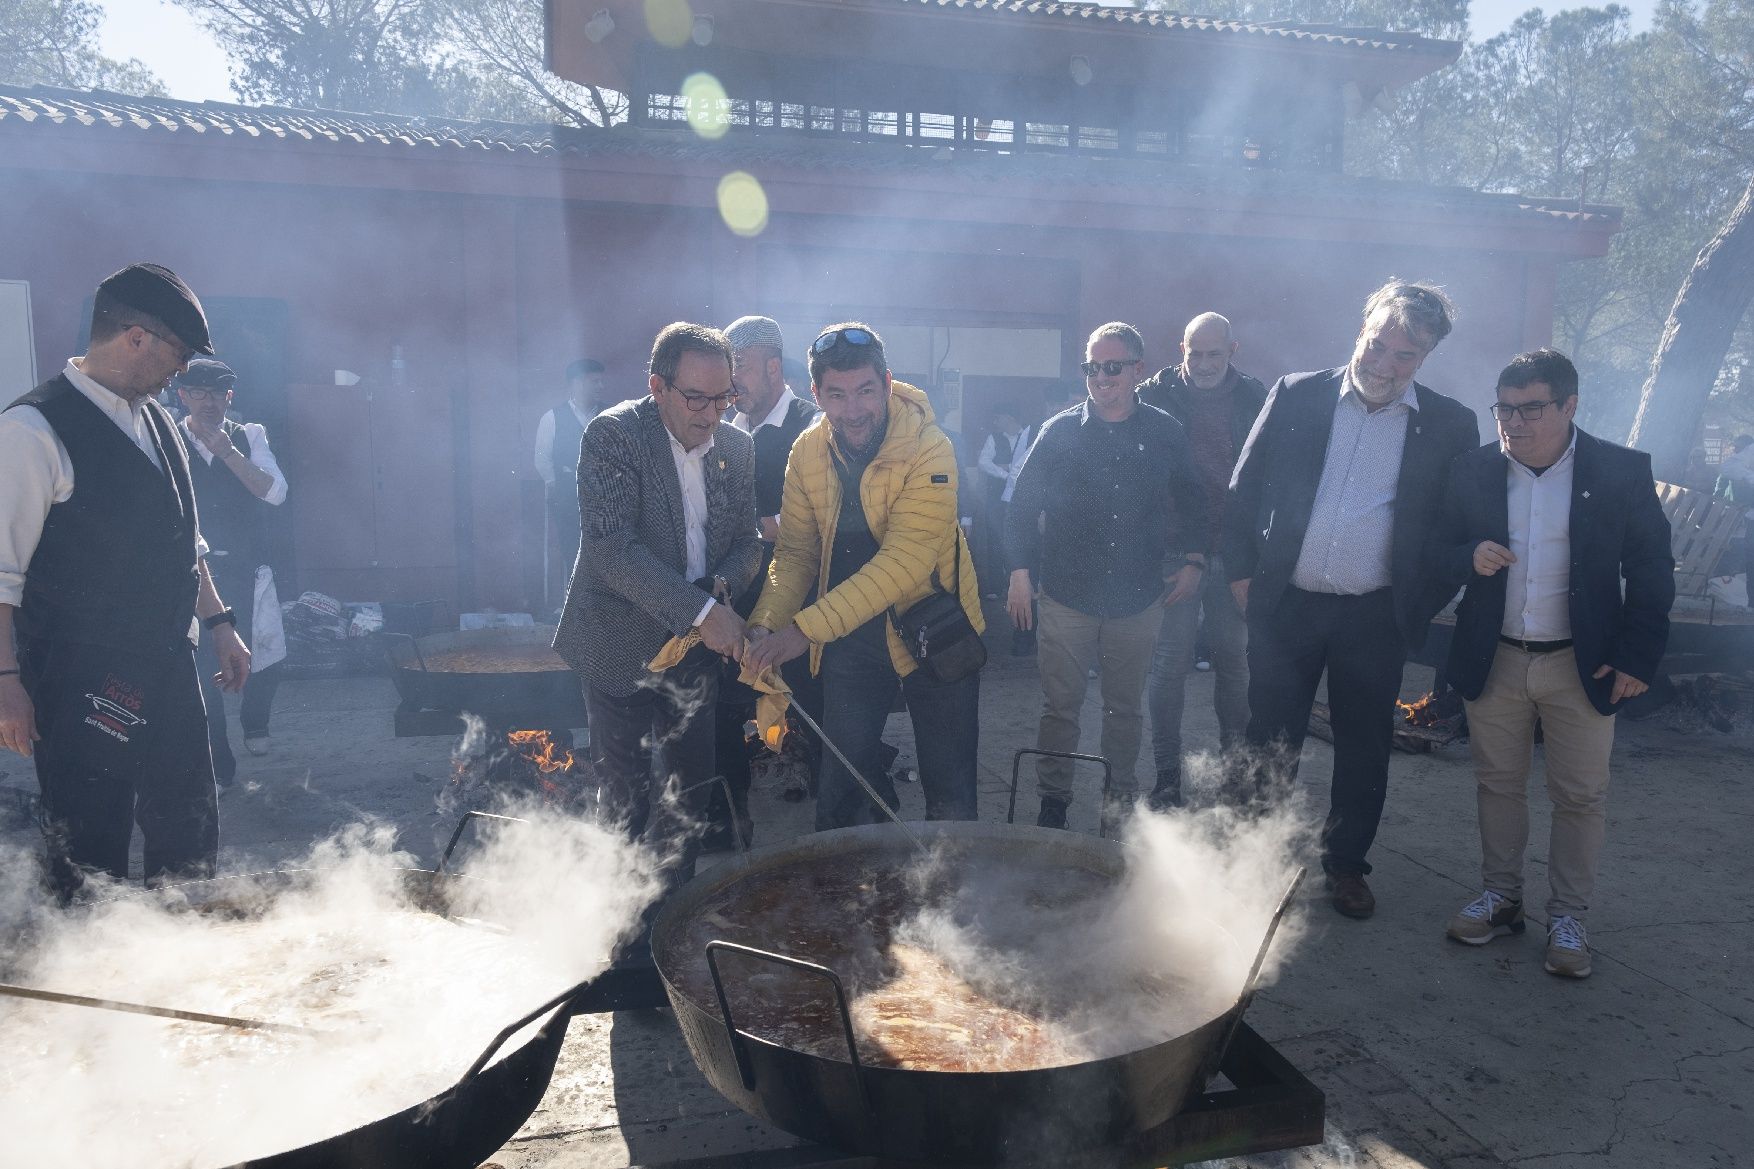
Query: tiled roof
[(1138, 18), (96, 108), (45, 109)]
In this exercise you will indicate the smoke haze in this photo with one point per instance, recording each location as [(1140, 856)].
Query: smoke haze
[(405, 1000)]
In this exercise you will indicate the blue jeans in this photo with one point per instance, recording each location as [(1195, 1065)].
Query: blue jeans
[(858, 687)]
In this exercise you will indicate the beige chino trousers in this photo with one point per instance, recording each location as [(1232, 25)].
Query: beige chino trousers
[(1578, 740), (1069, 644)]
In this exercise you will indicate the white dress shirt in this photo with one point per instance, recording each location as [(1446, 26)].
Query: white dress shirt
[(545, 440), (260, 454), (691, 472), (775, 417), (989, 460), (1348, 546), (36, 473), (1537, 588)]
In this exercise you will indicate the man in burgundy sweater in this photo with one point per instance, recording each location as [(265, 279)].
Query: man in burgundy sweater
[(1216, 404)]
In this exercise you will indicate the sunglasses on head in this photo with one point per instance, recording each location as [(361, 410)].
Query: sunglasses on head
[(1108, 368), (834, 337)]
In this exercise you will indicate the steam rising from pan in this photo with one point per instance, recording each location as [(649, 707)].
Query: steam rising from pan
[(408, 999)]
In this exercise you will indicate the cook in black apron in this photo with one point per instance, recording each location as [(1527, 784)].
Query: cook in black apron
[(109, 599)]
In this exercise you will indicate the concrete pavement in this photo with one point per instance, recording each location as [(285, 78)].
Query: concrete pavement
[(1431, 1053)]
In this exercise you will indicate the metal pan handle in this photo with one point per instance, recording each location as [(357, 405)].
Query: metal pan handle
[(512, 1029), (1248, 986), (411, 640), (723, 785), (744, 1069), (464, 823), (1017, 768)]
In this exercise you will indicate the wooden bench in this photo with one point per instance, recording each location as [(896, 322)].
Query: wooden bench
[(1701, 527)]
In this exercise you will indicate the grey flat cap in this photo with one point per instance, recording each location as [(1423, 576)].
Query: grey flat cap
[(747, 331)]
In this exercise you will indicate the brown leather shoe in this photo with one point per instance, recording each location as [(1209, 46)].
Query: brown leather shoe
[(1350, 895)]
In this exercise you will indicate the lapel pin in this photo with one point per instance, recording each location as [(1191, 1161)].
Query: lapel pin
[(1586, 495), (1417, 430)]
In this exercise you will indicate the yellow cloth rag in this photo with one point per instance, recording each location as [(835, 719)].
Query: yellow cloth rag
[(772, 694)]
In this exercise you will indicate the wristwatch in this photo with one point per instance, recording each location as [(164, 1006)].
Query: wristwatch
[(223, 617)]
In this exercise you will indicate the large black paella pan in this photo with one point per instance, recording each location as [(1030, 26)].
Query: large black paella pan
[(818, 952)]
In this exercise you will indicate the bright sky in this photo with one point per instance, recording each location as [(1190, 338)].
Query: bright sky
[(171, 43), (184, 56)]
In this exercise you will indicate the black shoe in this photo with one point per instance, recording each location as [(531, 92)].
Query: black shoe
[(1168, 792), (1350, 895), (1052, 814)]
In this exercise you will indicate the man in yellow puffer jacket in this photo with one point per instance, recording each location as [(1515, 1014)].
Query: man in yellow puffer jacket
[(870, 512)]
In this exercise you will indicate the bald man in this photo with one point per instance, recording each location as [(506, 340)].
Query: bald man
[(1216, 404)]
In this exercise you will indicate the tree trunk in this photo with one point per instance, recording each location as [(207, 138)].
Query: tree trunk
[(1712, 301)]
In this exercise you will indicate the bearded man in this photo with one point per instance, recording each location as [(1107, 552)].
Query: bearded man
[(1325, 527)]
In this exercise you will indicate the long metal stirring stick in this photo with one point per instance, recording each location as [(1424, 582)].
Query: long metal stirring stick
[(882, 804), (79, 1000)]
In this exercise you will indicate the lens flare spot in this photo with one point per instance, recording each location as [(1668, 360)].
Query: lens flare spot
[(670, 22), (707, 105), (742, 203)]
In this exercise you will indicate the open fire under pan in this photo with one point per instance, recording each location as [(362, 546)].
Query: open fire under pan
[(1260, 1104)]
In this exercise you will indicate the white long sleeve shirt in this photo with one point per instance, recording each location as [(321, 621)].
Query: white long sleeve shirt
[(989, 460), (1537, 588), (691, 471), (1348, 546), (260, 454), (36, 473), (545, 440)]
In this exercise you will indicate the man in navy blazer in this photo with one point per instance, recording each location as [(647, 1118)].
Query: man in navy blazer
[(1325, 526), (1545, 527)]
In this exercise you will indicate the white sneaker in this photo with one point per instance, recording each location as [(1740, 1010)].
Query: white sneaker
[(257, 744), (1568, 948), (1490, 915)]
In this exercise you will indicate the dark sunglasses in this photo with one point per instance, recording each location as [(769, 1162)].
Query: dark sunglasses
[(834, 337), (1110, 368)]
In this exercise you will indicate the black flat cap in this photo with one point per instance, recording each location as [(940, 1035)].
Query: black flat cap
[(159, 292), (208, 373)]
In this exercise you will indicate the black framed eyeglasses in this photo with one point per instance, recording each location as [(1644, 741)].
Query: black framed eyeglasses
[(183, 352), (1108, 368), (834, 337), (699, 402), (1530, 411), (202, 393)]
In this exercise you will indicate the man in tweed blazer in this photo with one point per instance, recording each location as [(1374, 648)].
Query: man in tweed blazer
[(667, 495)]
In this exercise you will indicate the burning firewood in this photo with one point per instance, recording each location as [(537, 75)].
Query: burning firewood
[(1432, 709)]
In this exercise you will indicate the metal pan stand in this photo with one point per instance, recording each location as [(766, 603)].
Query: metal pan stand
[(1266, 1105)]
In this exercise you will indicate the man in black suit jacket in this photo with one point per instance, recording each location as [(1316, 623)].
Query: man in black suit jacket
[(667, 492), (1544, 526), (1325, 526)]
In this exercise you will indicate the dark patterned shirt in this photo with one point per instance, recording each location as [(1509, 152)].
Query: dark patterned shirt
[(1110, 507)]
